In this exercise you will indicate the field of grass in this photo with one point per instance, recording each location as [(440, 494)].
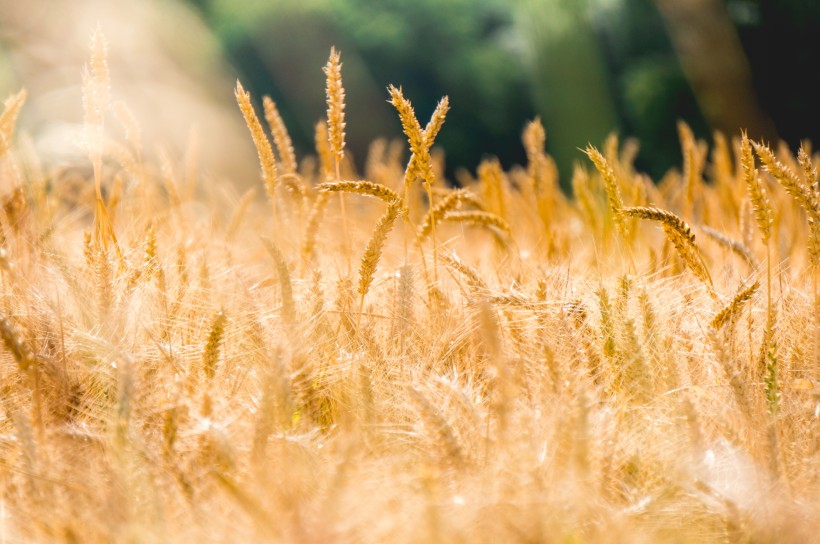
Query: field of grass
[(379, 357)]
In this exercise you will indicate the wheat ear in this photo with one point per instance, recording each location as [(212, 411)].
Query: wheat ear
[(210, 355), (534, 138), (288, 305), (680, 235), (613, 191), (478, 217), (26, 360), (762, 209), (362, 187), (810, 172), (469, 273), (735, 246), (420, 163), (260, 140), (795, 186), (322, 145), (8, 120), (691, 169), (450, 202), (375, 246), (335, 106), (761, 206), (335, 94), (729, 312), (281, 137)]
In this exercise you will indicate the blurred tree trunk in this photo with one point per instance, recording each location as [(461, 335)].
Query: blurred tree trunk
[(715, 65)]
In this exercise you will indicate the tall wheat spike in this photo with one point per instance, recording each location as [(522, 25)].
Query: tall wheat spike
[(335, 107), (613, 191), (420, 163), (336, 127), (260, 140)]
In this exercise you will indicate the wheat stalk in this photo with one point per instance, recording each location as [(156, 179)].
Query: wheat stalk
[(420, 163)]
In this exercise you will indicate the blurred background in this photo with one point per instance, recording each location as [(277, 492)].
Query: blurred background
[(586, 67)]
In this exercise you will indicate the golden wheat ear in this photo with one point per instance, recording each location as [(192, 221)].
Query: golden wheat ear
[(8, 120), (613, 191), (281, 137), (260, 140), (335, 105), (680, 235)]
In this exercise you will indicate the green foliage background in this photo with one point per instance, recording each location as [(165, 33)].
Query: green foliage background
[(587, 67)]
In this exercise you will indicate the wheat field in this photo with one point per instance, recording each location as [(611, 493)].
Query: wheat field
[(378, 356)]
